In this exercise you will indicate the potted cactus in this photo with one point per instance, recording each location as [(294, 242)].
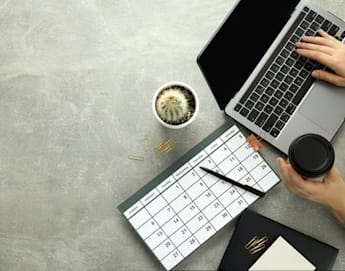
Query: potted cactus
[(175, 104)]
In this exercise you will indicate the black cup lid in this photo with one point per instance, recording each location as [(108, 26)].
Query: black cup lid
[(311, 155)]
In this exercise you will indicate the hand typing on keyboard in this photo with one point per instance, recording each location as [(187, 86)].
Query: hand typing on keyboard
[(328, 51)]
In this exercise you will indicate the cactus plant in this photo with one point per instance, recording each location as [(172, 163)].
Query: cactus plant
[(174, 105)]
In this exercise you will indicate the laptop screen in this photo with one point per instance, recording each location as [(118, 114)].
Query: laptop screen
[(239, 44)]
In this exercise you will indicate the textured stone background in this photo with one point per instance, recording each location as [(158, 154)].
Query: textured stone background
[(76, 81)]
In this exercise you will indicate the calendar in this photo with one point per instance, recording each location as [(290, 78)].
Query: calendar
[(183, 207)]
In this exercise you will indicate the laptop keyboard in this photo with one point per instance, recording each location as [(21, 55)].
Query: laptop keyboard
[(281, 85)]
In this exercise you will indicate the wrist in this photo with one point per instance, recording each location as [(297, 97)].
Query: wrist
[(338, 211)]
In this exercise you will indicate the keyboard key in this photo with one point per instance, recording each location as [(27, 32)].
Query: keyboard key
[(270, 123), (244, 111), (333, 30), (261, 119), (253, 114), (326, 25), (303, 90), (275, 132)]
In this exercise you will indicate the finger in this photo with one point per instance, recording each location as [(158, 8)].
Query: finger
[(282, 167), (329, 77), (295, 183), (332, 174), (324, 34), (318, 40), (323, 39), (315, 47), (288, 175), (320, 57)]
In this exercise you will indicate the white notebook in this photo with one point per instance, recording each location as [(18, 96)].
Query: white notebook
[(281, 255)]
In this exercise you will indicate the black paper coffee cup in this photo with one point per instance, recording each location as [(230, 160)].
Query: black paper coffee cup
[(311, 155)]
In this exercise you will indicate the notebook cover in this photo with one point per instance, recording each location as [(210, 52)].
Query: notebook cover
[(250, 223)]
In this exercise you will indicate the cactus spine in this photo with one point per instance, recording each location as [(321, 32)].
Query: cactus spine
[(173, 106)]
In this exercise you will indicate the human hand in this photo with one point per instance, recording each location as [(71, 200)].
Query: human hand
[(330, 191), (328, 51)]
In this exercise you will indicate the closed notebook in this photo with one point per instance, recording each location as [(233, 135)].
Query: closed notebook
[(250, 224)]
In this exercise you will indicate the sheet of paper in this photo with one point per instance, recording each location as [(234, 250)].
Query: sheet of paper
[(281, 255)]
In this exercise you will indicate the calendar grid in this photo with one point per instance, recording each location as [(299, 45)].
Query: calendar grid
[(182, 210)]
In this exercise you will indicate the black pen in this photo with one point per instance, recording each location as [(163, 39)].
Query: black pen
[(243, 186)]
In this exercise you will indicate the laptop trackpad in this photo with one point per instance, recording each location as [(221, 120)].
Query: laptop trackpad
[(325, 106)]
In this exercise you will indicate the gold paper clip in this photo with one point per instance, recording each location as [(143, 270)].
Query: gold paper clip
[(256, 244), (165, 146), (136, 157)]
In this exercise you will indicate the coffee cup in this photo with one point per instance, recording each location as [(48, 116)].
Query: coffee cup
[(311, 155)]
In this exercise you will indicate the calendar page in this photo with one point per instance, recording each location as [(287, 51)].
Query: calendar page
[(183, 207)]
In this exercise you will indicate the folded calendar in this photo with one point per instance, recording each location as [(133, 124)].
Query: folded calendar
[(183, 207)]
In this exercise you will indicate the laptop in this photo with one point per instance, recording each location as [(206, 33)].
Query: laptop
[(257, 78)]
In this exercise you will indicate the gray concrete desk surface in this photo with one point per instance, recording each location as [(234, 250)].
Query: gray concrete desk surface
[(76, 81)]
